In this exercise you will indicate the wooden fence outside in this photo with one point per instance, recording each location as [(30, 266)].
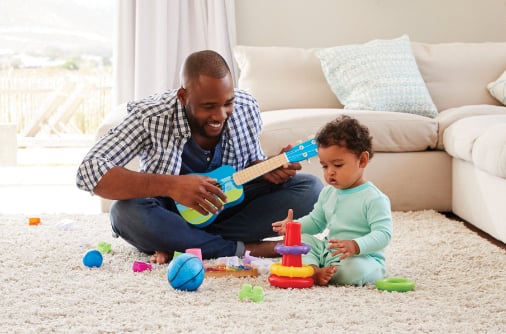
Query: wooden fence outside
[(55, 101)]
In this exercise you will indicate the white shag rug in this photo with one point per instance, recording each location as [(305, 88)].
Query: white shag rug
[(460, 286)]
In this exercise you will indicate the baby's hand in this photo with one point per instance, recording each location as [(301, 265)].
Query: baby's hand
[(280, 226), (346, 248)]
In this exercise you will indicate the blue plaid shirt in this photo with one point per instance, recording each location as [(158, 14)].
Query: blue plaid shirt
[(156, 129)]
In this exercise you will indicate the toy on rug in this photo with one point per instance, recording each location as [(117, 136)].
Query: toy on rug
[(228, 266), (261, 264), (290, 273), (195, 251), (93, 258), (33, 221), (253, 293), (139, 267), (234, 271), (185, 272), (398, 284), (66, 224), (104, 247)]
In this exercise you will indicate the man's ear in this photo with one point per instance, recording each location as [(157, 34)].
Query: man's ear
[(364, 159), (181, 95)]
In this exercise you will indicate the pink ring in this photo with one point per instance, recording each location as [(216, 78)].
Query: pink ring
[(292, 250)]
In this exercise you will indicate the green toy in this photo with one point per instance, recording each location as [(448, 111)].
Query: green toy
[(104, 247), (253, 293), (399, 284)]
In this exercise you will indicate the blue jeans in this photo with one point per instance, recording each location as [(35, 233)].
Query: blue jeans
[(154, 224)]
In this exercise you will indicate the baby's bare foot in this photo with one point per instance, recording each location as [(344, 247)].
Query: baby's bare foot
[(323, 275), (159, 258)]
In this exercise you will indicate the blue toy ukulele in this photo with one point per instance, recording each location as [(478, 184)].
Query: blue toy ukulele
[(230, 181)]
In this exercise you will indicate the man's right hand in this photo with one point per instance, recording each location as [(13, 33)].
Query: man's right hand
[(192, 190), (198, 192)]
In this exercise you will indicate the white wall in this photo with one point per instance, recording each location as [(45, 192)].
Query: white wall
[(323, 23)]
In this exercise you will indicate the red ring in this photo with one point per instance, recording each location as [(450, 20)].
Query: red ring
[(291, 282)]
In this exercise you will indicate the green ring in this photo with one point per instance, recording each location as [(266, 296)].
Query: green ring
[(395, 284)]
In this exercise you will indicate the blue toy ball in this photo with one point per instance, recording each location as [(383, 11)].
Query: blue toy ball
[(92, 258), (186, 272)]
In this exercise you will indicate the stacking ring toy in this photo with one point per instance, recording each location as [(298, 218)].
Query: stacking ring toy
[(285, 271), (292, 250), (395, 284), (294, 282)]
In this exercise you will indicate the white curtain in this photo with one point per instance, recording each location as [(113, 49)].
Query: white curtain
[(153, 37)]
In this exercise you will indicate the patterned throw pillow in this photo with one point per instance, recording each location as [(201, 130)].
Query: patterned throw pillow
[(498, 88), (379, 75)]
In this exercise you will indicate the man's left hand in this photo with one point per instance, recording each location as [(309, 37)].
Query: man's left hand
[(285, 172)]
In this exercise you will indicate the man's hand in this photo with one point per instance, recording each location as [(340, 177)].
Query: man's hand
[(198, 192), (194, 191), (284, 173)]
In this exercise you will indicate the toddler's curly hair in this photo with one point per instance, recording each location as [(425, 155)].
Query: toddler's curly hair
[(345, 131)]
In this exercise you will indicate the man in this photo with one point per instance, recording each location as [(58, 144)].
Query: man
[(204, 124)]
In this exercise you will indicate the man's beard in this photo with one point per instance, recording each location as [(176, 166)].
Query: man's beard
[(200, 128)]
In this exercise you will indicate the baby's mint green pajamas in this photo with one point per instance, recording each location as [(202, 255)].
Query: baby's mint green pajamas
[(362, 214)]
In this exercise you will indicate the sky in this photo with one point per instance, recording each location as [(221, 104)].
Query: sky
[(70, 27)]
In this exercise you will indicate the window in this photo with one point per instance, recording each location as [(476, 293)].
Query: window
[(55, 69)]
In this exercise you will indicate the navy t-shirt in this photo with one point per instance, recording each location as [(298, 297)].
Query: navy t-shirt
[(195, 159)]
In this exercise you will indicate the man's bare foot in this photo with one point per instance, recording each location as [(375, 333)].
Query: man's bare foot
[(159, 258), (262, 248), (322, 276)]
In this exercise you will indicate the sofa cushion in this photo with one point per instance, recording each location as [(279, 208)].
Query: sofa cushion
[(378, 75), (283, 77), (457, 74), (452, 115), (489, 152), (461, 137), (497, 88), (391, 131)]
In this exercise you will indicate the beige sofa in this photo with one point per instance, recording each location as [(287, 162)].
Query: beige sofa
[(411, 164)]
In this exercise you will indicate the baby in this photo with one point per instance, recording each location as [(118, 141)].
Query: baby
[(355, 212)]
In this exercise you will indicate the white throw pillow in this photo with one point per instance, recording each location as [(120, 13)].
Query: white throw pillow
[(378, 75), (498, 88)]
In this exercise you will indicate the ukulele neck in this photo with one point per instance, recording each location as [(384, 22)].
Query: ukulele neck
[(259, 169)]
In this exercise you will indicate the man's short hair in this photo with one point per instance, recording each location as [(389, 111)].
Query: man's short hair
[(205, 62)]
